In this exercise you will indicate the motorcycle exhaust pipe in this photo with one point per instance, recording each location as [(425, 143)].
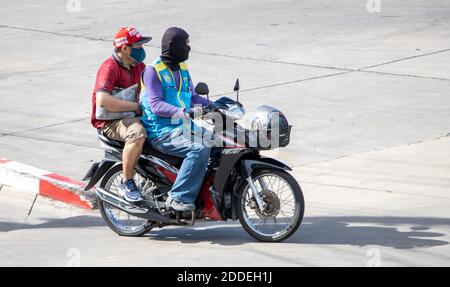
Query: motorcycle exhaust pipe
[(118, 202), (130, 208)]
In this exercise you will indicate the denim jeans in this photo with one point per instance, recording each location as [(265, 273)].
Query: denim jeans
[(192, 172)]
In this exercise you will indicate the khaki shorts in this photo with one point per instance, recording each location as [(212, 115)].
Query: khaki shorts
[(126, 130)]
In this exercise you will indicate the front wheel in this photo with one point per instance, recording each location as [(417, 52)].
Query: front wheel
[(285, 206)]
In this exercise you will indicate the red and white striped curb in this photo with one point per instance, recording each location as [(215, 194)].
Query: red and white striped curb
[(38, 181)]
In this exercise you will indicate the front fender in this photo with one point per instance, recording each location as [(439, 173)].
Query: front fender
[(249, 165)]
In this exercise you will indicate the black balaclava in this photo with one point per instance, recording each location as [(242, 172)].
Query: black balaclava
[(174, 49)]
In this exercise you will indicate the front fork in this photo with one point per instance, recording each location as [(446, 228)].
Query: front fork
[(247, 172), (261, 204)]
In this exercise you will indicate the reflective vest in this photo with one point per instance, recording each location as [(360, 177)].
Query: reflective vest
[(177, 96)]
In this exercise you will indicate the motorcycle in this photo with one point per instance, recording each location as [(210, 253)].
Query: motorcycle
[(240, 184)]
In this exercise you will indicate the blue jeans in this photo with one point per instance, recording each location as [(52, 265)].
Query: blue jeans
[(192, 171)]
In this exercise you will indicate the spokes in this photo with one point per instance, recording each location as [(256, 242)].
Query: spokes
[(280, 214), (119, 218)]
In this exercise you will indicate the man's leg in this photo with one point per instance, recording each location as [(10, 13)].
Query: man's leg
[(193, 169), (130, 131), (134, 142), (191, 175), (130, 155)]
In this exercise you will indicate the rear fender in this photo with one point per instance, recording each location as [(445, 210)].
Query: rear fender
[(97, 171)]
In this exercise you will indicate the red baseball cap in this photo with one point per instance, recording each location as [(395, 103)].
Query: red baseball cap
[(128, 36)]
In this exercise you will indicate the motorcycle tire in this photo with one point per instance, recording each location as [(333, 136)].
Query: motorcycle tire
[(134, 233), (299, 206)]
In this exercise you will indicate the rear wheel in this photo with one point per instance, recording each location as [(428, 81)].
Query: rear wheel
[(285, 206), (119, 221)]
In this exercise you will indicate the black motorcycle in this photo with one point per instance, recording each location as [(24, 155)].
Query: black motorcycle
[(239, 183)]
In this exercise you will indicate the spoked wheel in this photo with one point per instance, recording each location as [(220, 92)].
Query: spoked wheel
[(285, 206), (119, 221)]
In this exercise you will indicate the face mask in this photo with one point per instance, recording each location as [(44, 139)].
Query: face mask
[(138, 54)]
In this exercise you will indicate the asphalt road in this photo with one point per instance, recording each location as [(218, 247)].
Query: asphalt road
[(367, 94)]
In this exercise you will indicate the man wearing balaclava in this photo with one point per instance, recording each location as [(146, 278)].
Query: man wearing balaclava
[(167, 98)]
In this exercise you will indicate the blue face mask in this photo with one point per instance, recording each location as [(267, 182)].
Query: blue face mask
[(138, 54)]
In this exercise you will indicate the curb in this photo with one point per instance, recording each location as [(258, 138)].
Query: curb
[(42, 182)]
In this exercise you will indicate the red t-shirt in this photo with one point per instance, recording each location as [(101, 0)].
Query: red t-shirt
[(112, 74)]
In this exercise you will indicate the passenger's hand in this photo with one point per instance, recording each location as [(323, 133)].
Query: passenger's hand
[(138, 110)]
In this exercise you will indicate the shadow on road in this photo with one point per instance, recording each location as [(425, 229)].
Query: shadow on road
[(366, 230), (356, 231), (328, 230), (82, 221)]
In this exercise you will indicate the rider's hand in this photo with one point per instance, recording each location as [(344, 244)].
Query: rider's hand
[(193, 112), (181, 115)]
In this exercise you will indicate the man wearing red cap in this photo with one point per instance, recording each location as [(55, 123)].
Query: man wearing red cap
[(121, 71)]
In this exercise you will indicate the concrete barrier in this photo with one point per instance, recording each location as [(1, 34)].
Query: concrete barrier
[(38, 181)]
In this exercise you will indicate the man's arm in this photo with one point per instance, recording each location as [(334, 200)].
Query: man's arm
[(107, 77), (155, 98), (112, 104)]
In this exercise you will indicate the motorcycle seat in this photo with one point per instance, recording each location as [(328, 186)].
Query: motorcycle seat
[(173, 160), (147, 150)]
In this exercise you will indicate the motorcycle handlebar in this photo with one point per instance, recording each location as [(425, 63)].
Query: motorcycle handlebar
[(204, 111)]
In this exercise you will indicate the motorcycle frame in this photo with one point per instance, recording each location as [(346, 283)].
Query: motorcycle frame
[(218, 194)]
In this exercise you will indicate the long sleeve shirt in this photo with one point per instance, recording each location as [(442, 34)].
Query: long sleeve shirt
[(155, 97)]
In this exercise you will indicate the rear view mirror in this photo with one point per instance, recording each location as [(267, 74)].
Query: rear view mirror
[(236, 89), (236, 85), (202, 89)]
